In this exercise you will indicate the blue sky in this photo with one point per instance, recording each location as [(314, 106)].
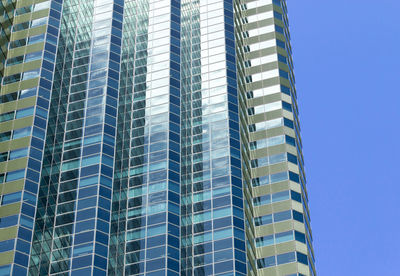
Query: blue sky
[(346, 56)]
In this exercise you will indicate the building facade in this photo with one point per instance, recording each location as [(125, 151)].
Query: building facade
[(150, 137)]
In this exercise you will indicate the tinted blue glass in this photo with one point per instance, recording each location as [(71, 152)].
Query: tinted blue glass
[(6, 246)]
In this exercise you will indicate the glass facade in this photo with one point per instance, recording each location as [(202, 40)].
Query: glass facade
[(150, 137)]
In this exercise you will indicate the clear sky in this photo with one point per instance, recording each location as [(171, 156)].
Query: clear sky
[(347, 68)]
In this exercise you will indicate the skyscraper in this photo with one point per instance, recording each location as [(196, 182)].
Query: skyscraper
[(150, 137)]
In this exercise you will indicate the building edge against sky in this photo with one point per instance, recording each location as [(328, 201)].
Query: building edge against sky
[(150, 138)]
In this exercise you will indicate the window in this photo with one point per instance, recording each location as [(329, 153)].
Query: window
[(22, 132), (278, 217), (6, 116), (280, 259), (25, 112), (11, 198), (18, 153), (268, 199), (3, 156)]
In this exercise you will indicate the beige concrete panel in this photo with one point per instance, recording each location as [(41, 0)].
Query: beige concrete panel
[(280, 36), (258, 24), (24, 122), (40, 14), (264, 83), (272, 169), (22, 18), (263, 152), (267, 36), (285, 247), (269, 66), (25, 49), (286, 269), (12, 187), (8, 233), (27, 102), (301, 247), (266, 22), (281, 206), (265, 8), (278, 8), (297, 206), (257, 135), (249, 12), (281, 51), (29, 83), (14, 144), (5, 89), (258, 9), (295, 186), (261, 190), (38, 30), (7, 107), (277, 149), (32, 65), (257, 118), (271, 150), (260, 53), (265, 230), (292, 167), (288, 114), (255, 39), (279, 23), (16, 164), (265, 99), (17, 36), (20, 143), (289, 131), (303, 269), (299, 226), (253, 86), (255, 102), (3, 167), (5, 146), (270, 82), (250, 26), (279, 187), (283, 226), (267, 51), (263, 210), (13, 165), (10, 209), (265, 251), (275, 131), (283, 66), (17, 52), (262, 68), (6, 126), (6, 257), (35, 47), (258, 173), (270, 271), (14, 69), (272, 97)]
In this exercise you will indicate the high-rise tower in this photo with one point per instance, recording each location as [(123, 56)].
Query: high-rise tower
[(150, 137)]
